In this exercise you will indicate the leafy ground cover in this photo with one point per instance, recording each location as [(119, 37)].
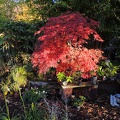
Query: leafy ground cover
[(100, 109)]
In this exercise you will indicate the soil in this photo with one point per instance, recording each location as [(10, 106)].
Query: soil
[(100, 109), (97, 110)]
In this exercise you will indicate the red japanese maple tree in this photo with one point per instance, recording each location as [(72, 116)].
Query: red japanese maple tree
[(63, 42)]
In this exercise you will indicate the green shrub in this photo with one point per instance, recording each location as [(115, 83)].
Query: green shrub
[(17, 42), (79, 101), (33, 95), (108, 69)]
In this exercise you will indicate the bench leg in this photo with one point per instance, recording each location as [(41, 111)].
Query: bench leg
[(91, 93), (66, 93)]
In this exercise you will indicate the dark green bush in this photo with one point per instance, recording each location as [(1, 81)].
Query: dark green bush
[(33, 95), (17, 42)]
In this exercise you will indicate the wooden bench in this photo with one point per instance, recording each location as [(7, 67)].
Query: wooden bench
[(89, 90)]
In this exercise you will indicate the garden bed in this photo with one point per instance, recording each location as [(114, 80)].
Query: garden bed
[(97, 110)]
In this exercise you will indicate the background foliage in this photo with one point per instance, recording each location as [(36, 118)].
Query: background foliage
[(19, 21), (16, 44)]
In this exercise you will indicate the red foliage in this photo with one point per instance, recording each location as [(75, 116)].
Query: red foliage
[(62, 44)]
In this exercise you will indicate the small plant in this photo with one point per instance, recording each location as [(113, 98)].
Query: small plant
[(100, 71), (79, 101), (17, 77), (5, 87), (62, 77), (69, 78), (108, 69), (33, 95), (111, 70)]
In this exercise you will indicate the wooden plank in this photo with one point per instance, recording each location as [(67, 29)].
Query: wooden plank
[(79, 86), (90, 90)]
